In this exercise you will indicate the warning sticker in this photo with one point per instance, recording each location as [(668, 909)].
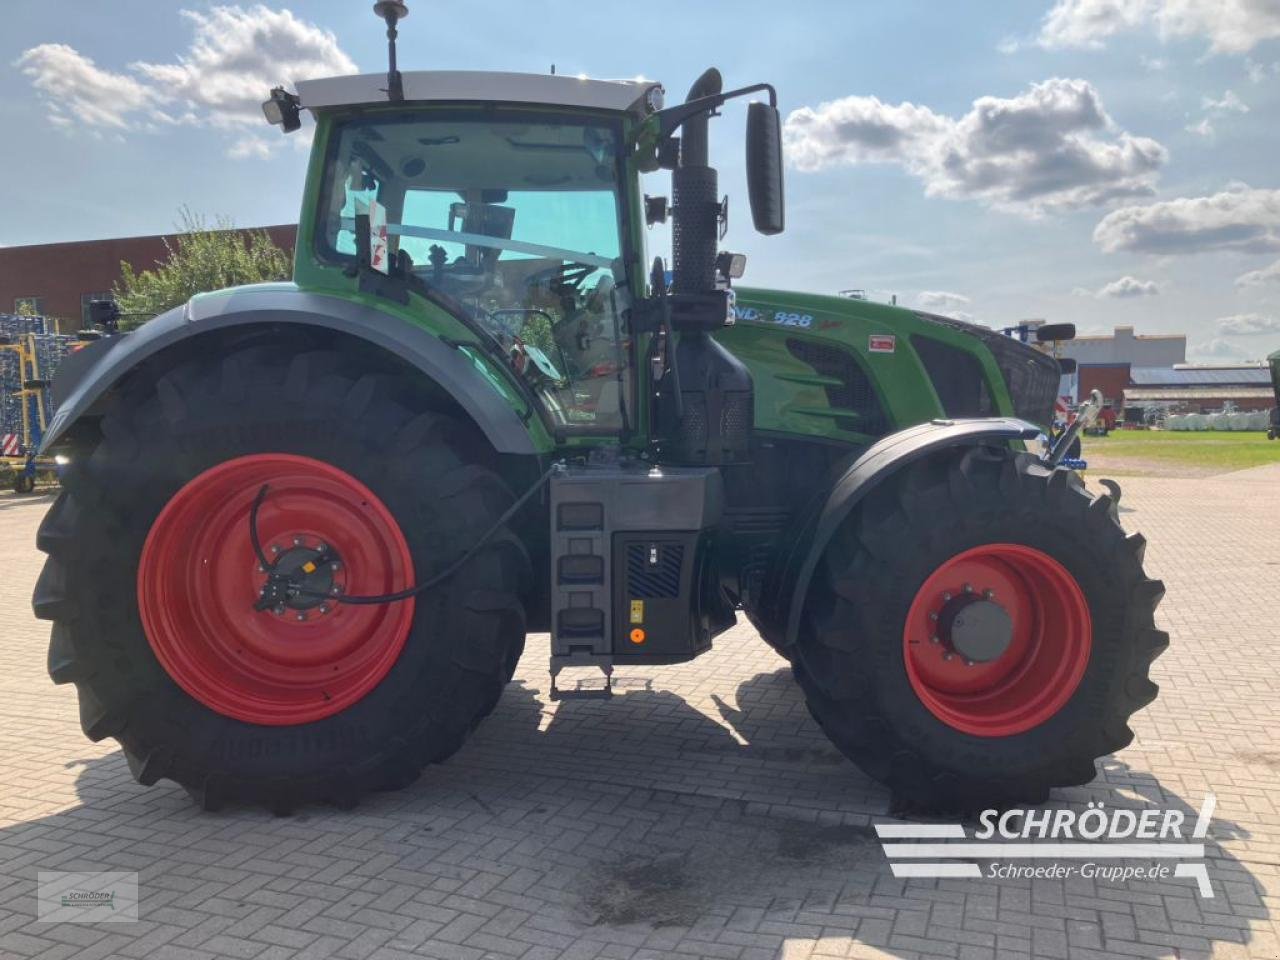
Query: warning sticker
[(378, 247), (637, 611), (882, 343)]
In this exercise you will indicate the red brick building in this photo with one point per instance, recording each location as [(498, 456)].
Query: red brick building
[(58, 280)]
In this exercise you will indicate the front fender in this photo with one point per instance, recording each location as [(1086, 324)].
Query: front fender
[(82, 381), (788, 584)]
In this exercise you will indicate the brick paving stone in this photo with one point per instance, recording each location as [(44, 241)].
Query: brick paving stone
[(699, 814)]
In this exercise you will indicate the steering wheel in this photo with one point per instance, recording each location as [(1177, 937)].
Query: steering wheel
[(570, 275)]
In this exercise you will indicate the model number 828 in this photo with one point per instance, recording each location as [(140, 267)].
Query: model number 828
[(793, 319), (781, 317)]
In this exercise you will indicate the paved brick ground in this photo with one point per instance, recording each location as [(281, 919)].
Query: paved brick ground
[(699, 814)]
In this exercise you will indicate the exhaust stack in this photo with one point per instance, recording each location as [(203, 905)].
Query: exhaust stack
[(695, 189)]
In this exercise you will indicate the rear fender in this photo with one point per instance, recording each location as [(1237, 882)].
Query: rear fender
[(788, 585), (88, 375)]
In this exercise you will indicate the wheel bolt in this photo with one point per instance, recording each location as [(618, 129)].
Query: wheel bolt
[(933, 616), (968, 663), (968, 588), (988, 594), (946, 656), (278, 610), (335, 565), (324, 608), (300, 617), (946, 596), (297, 541), (934, 640), (322, 547), (274, 548), (335, 590)]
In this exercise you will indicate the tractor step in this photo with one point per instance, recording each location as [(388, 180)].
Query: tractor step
[(580, 692)]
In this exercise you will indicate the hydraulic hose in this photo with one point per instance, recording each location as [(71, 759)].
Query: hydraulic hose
[(280, 585)]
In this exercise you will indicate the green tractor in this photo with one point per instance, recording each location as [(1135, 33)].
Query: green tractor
[(305, 527)]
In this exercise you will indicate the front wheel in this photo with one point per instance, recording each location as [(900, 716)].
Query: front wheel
[(979, 631)]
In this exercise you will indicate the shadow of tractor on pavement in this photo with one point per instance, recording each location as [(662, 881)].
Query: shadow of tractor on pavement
[(646, 821)]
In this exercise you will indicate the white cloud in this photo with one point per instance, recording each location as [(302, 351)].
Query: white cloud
[(1259, 278), (77, 89), (1228, 104), (1230, 26), (248, 148), (236, 56), (1202, 129), (1087, 23), (1248, 325), (1051, 147), (940, 300), (1129, 287), (1240, 219), (1216, 349)]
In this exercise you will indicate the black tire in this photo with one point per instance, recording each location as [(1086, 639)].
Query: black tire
[(466, 634), (851, 662), (23, 483)]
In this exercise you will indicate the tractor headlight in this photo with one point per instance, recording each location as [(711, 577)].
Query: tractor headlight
[(61, 460)]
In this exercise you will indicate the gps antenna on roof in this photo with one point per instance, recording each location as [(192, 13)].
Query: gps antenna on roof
[(392, 11)]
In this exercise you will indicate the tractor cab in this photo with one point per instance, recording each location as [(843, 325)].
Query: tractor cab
[(511, 204), (503, 199)]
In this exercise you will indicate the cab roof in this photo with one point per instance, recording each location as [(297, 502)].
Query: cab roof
[(475, 85)]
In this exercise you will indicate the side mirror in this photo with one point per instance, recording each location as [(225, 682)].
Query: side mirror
[(764, 168), (1067, 364), (1055, 331)]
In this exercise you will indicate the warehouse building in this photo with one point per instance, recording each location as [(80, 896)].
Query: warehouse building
[(1104, 363), (58, 280), (1198, 388)]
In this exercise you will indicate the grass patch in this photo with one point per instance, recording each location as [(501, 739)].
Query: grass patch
[(1175, 453)]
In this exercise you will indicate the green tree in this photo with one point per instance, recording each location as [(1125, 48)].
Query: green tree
[(200, 258)]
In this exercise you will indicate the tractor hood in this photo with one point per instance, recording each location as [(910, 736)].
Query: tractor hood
[(853, 369)]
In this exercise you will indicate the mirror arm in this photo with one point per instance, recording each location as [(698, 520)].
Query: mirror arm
[(671, 118)]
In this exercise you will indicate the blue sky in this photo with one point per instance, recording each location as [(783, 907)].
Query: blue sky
[(1099, 161)]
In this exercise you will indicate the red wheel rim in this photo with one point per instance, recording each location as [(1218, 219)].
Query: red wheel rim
[(1048, 645), (198, 579)]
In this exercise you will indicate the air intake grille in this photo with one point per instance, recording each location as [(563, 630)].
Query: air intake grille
[(1030, 376), (957, 378), (649, 581), (854, 394)]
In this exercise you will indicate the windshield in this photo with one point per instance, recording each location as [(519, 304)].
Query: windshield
[(515, 220)]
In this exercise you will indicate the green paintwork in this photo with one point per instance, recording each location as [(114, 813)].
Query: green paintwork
[(791, 399)]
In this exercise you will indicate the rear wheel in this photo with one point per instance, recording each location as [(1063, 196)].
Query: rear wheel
[(151, 581), (979, 631)]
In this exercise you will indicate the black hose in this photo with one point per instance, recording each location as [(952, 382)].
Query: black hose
[(407, 592)]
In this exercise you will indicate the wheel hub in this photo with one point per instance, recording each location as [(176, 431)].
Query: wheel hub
[(975, 628), (301, 578), (997, 639)]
